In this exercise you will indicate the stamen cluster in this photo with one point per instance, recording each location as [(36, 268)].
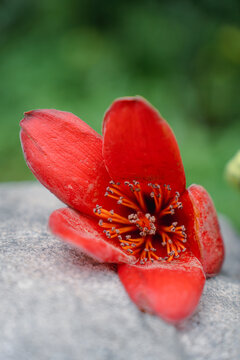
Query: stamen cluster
[(144, 229)]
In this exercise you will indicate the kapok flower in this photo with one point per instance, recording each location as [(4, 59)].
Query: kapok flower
[(127, 201)]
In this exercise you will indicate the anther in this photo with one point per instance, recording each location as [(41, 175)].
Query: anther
[(179, 205), (110, 190)]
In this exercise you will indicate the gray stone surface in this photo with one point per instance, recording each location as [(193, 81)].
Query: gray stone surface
[(56, 303)]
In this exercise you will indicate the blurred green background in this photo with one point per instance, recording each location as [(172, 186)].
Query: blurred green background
[(78, 56)]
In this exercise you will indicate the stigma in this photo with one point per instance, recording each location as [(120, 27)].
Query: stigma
[(145, 220)]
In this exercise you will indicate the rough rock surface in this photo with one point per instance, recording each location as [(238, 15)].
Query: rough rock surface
[(56, 303)]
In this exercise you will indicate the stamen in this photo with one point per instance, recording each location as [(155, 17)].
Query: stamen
[(147, 234)]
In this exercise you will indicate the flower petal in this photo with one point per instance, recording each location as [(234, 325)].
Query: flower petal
[(186, 217), (207, 230), (84, 232), (65, 155), (140, 145), (170, 290)]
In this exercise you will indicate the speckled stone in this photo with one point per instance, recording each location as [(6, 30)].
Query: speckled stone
[(58, 304)]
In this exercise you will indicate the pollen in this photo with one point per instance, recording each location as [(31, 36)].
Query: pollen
[(144, 220)]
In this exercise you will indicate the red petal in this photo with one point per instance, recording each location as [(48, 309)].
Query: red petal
[(84, 232), (140, 145), (186, 217), (65, 154), (207, 230), (170, 290)]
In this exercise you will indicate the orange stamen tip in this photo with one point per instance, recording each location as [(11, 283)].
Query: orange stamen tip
[(146, 230)]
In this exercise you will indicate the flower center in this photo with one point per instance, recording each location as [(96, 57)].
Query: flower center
[(147, 227)]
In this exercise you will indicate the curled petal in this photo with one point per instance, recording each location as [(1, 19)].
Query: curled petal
[(65, 155), (207, 230), (84, 232), (170, 290), (140, 145)]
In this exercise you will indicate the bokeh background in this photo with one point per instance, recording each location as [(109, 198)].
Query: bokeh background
[(78, 56)]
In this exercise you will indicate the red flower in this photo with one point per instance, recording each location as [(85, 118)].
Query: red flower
[(128, 202)]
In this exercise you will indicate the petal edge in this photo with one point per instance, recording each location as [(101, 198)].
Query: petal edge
[(207, 230)]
